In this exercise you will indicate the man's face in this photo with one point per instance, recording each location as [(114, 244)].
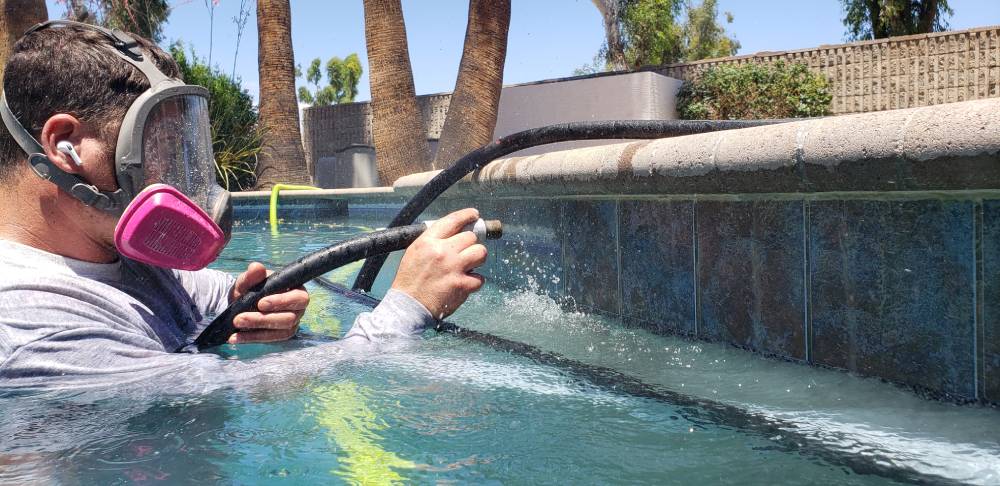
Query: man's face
[(97, 153)]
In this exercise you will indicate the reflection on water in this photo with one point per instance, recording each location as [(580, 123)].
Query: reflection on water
[(342, 409), (448, 410)]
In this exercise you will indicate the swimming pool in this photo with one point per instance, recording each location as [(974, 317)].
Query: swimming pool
[(449, 409)]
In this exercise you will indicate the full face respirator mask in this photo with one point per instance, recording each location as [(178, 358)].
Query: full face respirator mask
[(172, 212)]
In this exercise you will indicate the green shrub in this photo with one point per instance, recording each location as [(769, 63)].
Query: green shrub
[(753, 91), (236, 135)]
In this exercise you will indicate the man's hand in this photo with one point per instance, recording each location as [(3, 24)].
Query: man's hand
[(279, 314), (436, 269)]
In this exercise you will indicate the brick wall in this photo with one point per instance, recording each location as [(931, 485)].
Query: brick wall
[(898, 72)]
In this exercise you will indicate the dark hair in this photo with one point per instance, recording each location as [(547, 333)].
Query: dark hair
[(74, 70)]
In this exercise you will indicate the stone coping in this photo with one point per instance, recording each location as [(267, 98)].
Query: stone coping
[(949, 147)]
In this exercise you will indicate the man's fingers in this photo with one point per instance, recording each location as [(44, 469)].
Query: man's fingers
[(462, 240), (273, 320), (265, 336), (473, 281), (254, 275), (473, 256), (293, 300), (453, 223)]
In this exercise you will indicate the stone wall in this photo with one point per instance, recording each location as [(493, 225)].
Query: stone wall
[(886, 74), (329, 129)]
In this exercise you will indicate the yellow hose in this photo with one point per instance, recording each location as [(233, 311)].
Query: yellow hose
[(273, 213)]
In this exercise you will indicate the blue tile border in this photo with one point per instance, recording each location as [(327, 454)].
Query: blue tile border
[(657, 274), (291, 209), (750, 274), (893, 291), (589, 240), (907, 290), (990, 299)]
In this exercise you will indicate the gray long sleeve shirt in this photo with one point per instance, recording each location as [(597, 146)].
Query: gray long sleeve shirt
[(66, 323)]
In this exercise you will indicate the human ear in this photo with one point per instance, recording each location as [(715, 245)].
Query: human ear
[(62, 129)]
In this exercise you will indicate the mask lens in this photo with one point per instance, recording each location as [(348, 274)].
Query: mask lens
[(177, 147)]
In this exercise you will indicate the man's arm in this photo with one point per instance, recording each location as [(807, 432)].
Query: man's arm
[(209, 289), (73, 339), (434, 278), (398, 315), (76, 342)]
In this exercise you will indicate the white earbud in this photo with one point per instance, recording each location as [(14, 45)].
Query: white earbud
[(67, 148)]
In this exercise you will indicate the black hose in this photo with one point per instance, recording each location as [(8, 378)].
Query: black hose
[(596, 130), (305, 269)]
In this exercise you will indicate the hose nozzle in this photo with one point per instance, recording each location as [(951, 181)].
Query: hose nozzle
[(494, 229), (485, 229)]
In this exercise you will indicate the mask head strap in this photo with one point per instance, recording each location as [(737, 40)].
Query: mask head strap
[(122, 44), (44, 168)]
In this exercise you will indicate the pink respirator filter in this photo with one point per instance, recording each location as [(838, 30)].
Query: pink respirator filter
[(162, 227)]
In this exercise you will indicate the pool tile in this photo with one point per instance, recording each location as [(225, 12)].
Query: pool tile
[(750, 275), (991, 301), (443, 206), (375, 215), (657, 248), (589, 237), (488, 209), (891, 290), (246, 212), (529, 256)]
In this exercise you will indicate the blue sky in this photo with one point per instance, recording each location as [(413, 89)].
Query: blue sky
[(548, 38)]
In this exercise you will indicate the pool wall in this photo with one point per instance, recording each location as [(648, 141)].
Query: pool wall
[(869, 242)]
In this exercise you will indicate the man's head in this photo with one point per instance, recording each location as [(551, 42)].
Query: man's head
[(144, 183), (71, 71)]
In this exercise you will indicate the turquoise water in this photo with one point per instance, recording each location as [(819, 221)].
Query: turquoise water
[(446, 409)]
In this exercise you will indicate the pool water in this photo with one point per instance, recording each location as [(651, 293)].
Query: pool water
[(452, 410)]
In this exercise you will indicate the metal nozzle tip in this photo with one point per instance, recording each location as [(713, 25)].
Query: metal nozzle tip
[(494, 229)]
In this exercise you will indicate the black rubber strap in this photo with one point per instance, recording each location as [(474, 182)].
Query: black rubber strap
[(90, 195)]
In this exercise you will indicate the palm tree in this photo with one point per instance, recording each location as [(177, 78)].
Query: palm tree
[(472, 113), (397, 125), (282, 158), (868, 19), (614, 48), (17, 16)]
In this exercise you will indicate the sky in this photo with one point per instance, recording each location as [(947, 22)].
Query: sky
[(547, 39)]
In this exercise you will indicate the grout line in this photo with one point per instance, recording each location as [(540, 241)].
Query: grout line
[(978, 326), (694, 257), (562, 292), (806, 279), (618, 255)]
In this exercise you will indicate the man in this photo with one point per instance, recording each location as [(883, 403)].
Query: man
[(109, 207)]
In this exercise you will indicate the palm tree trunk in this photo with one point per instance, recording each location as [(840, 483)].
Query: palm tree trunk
[(17, 16), (610, 13), (397, 125), (282, 158), (472, 112), (879, 28), (926, 16)]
